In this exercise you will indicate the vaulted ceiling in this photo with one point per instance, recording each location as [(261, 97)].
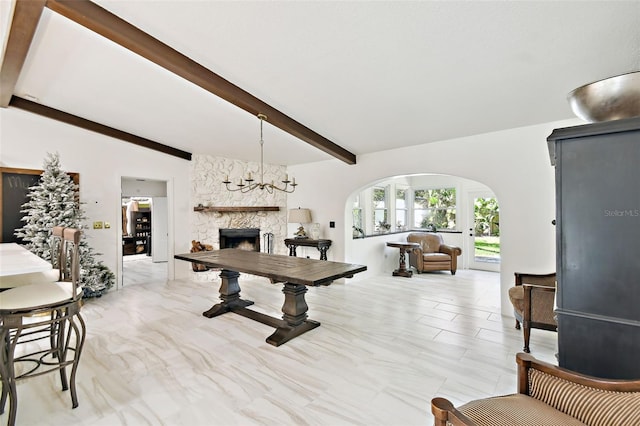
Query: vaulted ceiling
[(365, 76)]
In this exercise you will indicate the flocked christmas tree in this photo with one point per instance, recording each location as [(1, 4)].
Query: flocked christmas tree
[(54, 202)]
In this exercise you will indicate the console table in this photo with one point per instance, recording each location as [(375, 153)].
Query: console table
[(321, 245)]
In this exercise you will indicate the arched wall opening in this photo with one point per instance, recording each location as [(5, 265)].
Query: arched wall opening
[(371, 249)]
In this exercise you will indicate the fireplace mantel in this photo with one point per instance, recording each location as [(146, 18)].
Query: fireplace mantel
[(238, 209)]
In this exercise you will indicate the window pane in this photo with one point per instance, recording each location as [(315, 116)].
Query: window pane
[(420, 217), (401, 202), (357, 218), (435, 207), (443, 197), (435, 198), (380, 216), (379, 198), (401, 218), (421, 198), (444, 218)]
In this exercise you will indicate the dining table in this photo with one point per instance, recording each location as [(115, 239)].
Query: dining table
[(296, 274)]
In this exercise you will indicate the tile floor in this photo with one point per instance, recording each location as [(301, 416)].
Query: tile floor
[(387, 345)]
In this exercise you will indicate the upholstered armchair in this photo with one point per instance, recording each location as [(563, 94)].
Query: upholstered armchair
[(533, 299), (433, 254), (548, 396)]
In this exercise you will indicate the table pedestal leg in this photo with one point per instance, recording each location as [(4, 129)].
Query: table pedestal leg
[(402, 271), (323, 252), (292, 250), (295, 315), (229, 294)]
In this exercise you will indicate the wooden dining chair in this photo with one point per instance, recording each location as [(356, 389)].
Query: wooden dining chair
[(39, 312)]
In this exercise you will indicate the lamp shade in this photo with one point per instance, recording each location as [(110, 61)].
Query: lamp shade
[(299, 215)]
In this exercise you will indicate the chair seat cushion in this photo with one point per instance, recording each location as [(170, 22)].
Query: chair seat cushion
[(516, 410), (36, 295), (516, 296), (436, 257)]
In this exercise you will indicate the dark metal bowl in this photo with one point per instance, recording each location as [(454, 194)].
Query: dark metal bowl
[(613, 98)]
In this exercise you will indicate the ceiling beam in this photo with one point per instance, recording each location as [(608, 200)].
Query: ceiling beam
[(23, 27), (105, 23), (74, 120)]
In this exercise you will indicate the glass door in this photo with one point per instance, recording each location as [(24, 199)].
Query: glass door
[(485, 232)]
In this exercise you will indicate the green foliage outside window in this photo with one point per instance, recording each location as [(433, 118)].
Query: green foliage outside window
[(379, 196), (435, 207), (487, 217)]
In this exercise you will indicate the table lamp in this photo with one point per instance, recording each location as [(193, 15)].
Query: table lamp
[(300, 216)]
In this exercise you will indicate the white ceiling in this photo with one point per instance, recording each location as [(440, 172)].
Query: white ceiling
[(368, 75)]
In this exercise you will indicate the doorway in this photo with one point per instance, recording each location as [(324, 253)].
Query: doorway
[(484, 231), (144, 209)]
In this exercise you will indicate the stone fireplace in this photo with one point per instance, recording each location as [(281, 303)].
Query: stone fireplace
[(240, 238), (219, 228)]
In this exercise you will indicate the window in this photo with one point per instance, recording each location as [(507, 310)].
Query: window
[(379, 198), (401, 208), (357, 218), (435, 207)]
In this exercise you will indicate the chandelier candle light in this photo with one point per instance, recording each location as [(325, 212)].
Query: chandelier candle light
[(248, 183)]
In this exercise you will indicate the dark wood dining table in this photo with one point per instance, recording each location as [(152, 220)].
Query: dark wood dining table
[(294, 272)]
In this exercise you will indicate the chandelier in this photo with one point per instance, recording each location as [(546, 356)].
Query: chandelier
[(248, 183)]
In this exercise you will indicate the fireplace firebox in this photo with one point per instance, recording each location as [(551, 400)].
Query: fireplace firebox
[(240, 238)]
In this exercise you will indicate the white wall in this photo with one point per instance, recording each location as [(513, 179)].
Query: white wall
[(514, 164), (101, 161), (143, 188)]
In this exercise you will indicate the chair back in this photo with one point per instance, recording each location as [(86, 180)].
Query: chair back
[(70, 258), (56, 250), (429, 242)]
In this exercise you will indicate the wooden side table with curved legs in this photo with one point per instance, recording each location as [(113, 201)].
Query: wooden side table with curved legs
[(404, 246)]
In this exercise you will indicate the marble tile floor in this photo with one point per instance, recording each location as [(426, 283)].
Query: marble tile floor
[(386, 346)]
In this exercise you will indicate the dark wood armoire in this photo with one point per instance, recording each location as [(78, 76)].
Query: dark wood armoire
[(597, 170)]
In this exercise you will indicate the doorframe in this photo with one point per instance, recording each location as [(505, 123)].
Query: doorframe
[(469, 231), (169, 188)]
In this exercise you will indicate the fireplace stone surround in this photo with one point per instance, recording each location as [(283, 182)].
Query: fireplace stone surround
[(207, 173)]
